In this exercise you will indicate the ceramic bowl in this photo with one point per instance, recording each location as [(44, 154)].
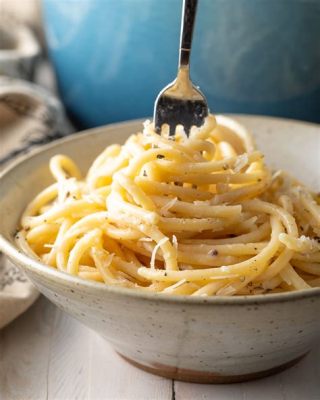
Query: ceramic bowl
[(216, 339), (19, 50)]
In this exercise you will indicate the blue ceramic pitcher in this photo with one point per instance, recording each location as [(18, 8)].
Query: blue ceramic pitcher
[(112, 57)]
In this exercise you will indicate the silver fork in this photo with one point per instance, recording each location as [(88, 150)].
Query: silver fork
[(181, 102)]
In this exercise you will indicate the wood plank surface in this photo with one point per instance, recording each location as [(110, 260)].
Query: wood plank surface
[(301, 382), (47, 355)]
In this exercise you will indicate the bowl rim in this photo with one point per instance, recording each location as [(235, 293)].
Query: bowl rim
[(62, 277)]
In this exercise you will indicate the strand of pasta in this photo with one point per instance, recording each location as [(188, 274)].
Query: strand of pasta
[(196, 216)]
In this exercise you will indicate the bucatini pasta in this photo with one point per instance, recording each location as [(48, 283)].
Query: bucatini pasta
[(191, 216)]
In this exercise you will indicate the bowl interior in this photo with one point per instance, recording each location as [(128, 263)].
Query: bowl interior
[(290, 145)]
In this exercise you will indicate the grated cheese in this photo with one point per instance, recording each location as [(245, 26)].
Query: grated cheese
[(164, 209), (175, 242), (175, 286), (241, 162), (154, 251)]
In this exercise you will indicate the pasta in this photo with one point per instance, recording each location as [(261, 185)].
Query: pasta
[(197, 216)]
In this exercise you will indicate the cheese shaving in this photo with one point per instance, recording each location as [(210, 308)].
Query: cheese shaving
[(241, 162), (164, 209), (154, 251)]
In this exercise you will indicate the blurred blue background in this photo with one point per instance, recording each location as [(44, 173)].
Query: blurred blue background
[(112, 57)]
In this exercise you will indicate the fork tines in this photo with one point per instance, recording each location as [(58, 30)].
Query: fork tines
[(175, 111)]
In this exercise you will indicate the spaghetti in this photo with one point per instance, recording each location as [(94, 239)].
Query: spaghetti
[(191, 216)]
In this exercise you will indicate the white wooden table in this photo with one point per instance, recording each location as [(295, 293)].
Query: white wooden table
[(48, 355)]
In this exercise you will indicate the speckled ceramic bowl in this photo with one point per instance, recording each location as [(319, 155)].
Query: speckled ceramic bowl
[(216, 339)]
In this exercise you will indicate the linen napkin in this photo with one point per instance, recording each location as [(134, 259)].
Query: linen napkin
[(29, 117)]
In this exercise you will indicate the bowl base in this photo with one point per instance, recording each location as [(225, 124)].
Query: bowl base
[(194, 376)]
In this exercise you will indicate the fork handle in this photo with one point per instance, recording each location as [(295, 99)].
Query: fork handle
[(187, 23)]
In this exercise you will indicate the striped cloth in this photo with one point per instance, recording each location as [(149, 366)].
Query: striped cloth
[(29, 117)]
